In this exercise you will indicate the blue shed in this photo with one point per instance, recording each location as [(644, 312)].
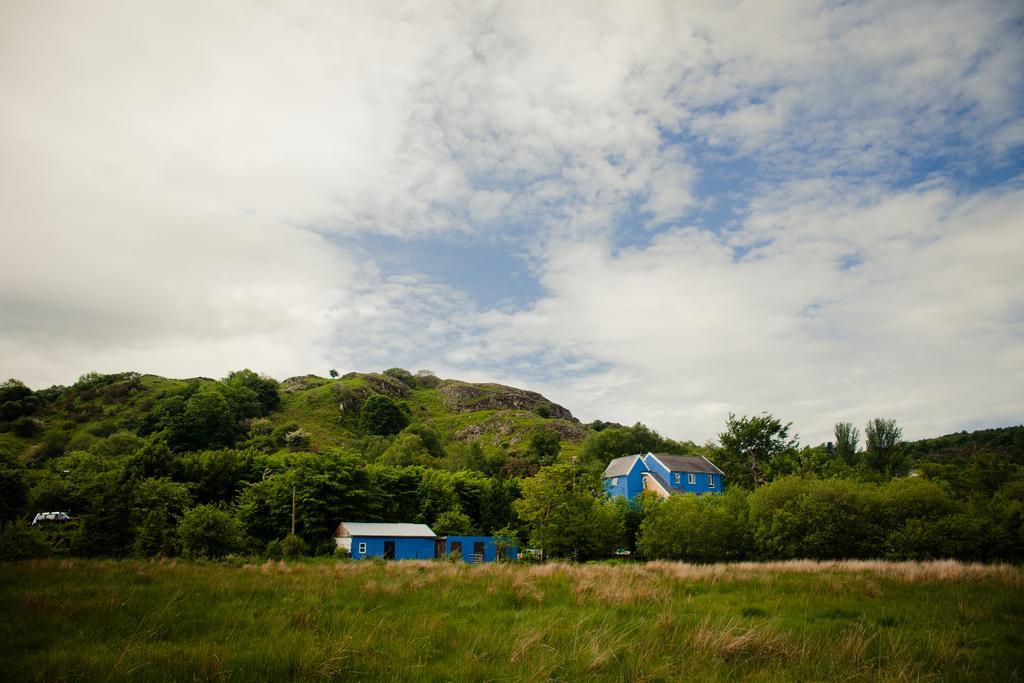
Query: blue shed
[(476, 548), (665, 475), (387, 541)]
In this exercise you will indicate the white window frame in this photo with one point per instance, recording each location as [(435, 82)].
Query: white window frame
[(678, 477), (362, 548), (711, 481), (615, 481), (691, 478)]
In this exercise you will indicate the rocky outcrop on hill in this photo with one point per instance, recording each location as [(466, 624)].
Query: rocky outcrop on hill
[(462, 397), (508, 427), (383, 384)]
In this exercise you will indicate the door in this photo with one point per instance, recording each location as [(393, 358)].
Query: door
[(456, 549), (389, 550), (478, 551), (439, 548)]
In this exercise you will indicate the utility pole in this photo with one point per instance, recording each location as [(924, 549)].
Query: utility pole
[(293, 511)]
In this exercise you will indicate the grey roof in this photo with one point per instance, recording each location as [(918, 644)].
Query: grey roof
[(382, 529), (687, 463), (620, 467)]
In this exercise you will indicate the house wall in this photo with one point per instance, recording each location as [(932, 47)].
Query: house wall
[(702, 485), (490, 549), (405, 548), (630, 485)]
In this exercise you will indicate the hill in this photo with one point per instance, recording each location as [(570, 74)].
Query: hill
[(321, 414)]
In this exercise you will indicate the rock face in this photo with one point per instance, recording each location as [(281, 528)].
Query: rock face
[(503, 427), (461, 397)]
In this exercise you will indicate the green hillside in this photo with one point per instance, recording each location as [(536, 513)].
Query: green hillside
[(109, 411)]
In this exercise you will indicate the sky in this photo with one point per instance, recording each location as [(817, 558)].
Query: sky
[(648, 211)]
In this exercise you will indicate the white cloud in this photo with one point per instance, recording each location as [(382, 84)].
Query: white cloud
[(175, 180), (925, 329)]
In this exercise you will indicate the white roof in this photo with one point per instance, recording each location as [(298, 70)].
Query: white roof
[(382, 529)]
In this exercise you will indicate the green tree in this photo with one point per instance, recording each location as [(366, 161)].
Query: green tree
[(600, 447), (328, 488), (750, 447), (566, 517), (19, 541), (208, 531), (882, 438), (697, 528), (207, 421), (453, 523), (544, 446), (407, 450), (265, 388), (847, 438), (381, 415), (13, 492), (402, 375), (155, 534), (809, 518), (333, 373)]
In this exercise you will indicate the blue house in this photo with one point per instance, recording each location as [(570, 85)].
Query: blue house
[(665, 475), (387, 541), (414, 542)]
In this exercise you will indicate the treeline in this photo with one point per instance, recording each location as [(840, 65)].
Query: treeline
[(206, 468), (211, 503), (801, 517)]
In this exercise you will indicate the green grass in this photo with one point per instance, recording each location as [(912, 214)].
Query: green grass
[(173, 620)]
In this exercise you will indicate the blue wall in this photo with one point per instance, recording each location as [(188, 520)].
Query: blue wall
[(630, 484), (490, 550), (701, 485), (405, 548)]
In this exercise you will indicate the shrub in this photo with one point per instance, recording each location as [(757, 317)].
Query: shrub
[(697, 528), (297, 439), (20, 541), (208, 531), (809, 518), (453, 523), (382, 416), (293, 546), (402, 375), (27, 427)]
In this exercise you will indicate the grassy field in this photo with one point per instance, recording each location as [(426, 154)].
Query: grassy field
[(173, 620)]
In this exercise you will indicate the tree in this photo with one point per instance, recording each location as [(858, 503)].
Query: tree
[(453, 522), (545, 445), (13, 492), (882, 436), (206, 421), (697, 528), (333, 373), (402, 375), (407, 450), (750, 445), (264, 387), (847, 437), (380, 415), (613, 442), (566, 518), (208, 531)]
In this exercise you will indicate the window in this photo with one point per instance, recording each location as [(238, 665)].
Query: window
[(677, 477), (691, 478), (362, 548), (615, 481), (711, 481)]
